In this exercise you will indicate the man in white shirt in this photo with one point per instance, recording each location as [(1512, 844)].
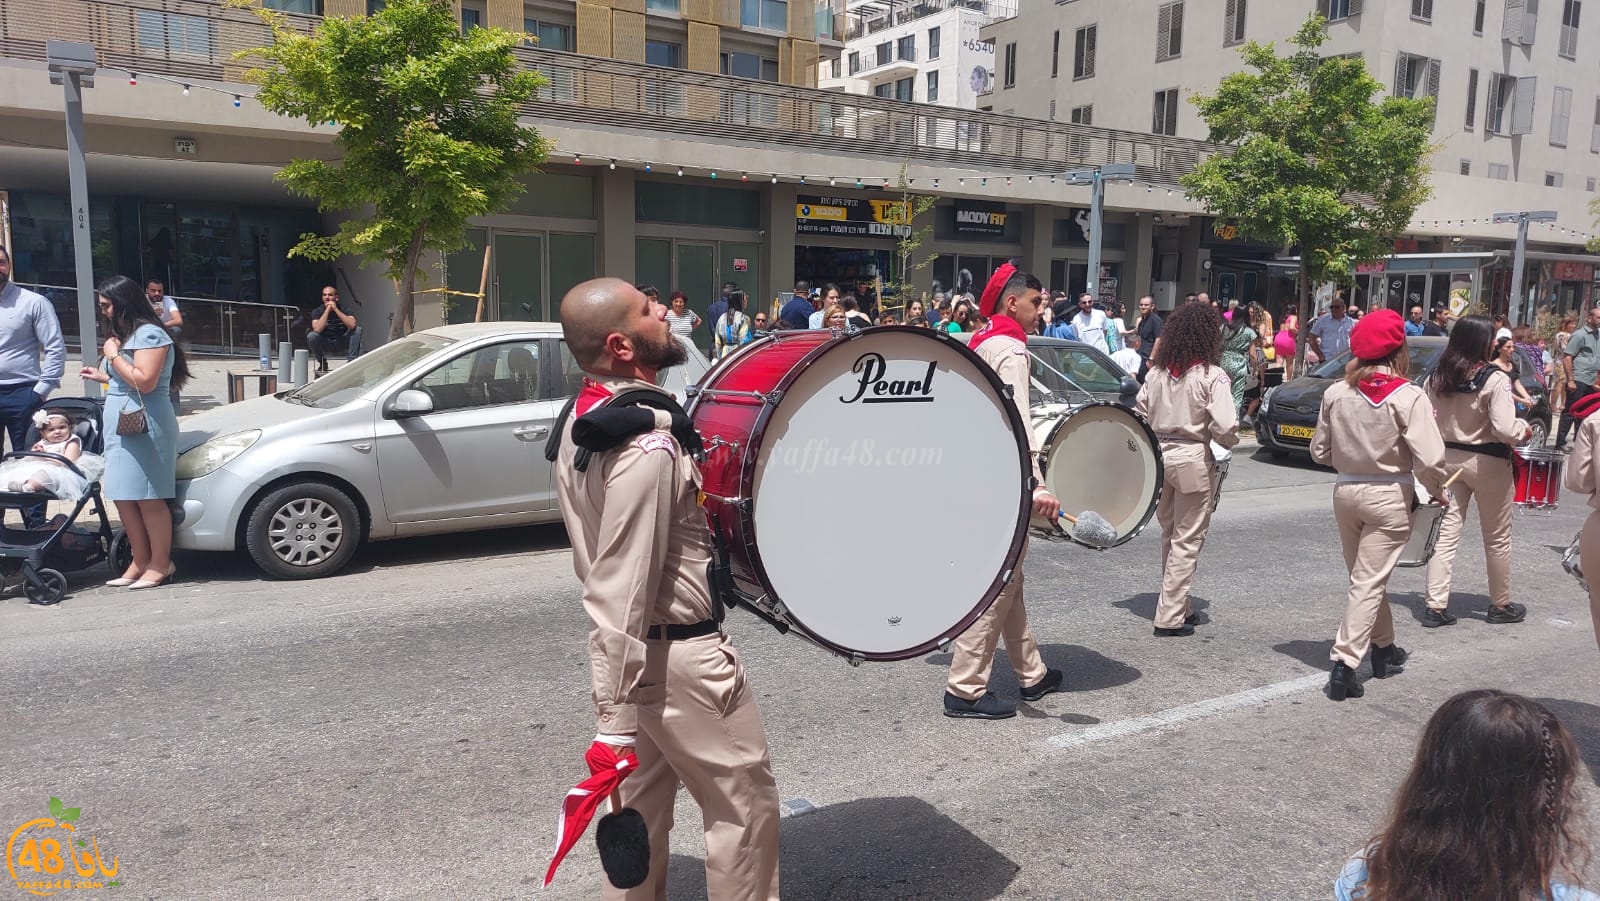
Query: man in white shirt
[(1330, 334), (1128, 357), (166, 308), (1090, 323)]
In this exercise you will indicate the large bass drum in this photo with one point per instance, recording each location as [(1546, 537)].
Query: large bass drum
[(867, 488), (1099, 457)]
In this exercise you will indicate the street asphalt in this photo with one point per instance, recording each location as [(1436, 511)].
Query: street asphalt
[(407, 729)]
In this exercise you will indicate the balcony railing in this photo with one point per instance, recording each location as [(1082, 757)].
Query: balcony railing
[(209, 326), (658, 100), (873, 17)]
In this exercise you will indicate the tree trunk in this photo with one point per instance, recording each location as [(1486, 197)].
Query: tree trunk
[(406, 319), (1306, 318)]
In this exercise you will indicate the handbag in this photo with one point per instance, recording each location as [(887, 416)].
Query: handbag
[(133, 422)]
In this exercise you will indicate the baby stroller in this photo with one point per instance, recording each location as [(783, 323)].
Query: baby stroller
[(40, 555)]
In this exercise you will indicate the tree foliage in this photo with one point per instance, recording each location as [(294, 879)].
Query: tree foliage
[(1594, 210), (427, 121), (1318, 162), (915, 207)]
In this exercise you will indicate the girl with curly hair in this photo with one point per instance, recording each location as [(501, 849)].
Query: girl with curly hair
[(1189, 403), (1490, 810)]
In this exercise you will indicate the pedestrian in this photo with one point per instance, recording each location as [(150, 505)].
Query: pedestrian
[(1472, 403), (798, 309), (28, 328), (961, 318), (1504, 358), (715, 310), (1128, 359), (853, 316), (1188, 402), (1377, 429), (733, 329), (1090, 323), (1284, 343), (142, 362), (1522, 338), (682, 320), (1438, 324), (171, 318), (915, 309), (334, 328), (1583, 467), (758, 322), (1330, 333), (668, 686), (1414, 323), (1490, 809), (1149, 330), (1237, 339), (1558, 381), (821, 299), (1580, 368), (1011, 301)]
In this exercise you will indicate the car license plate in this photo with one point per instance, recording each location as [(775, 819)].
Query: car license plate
[(1296, 431)]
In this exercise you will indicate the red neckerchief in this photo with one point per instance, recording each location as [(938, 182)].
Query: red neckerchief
[(999, 325), (592, 395), (1377, 386), (1177, 373)]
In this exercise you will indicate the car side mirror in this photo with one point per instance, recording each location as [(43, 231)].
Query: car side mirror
[(1130, 386), (410, 402)]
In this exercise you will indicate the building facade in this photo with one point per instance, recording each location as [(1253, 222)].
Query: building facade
[(922, 51)]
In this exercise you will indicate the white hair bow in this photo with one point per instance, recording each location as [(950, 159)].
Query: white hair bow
[(40, 417)]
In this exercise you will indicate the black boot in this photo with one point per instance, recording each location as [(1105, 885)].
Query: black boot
[(1342, 683), (1388, 661)]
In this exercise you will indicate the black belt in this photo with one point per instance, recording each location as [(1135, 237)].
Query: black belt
[(1493, 449), (679, 631)]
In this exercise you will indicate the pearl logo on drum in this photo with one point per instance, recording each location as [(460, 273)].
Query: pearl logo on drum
[(874, 388)]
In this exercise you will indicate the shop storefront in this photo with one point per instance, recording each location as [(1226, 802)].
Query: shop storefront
[(850, 242), (1427, 280), (1069, 266), (973, 238), (1556, 283), (1246, 271)]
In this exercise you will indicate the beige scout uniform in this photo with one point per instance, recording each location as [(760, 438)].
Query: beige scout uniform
[(1006, 618), (1376, 448), (1583, 466), (1186, 412), (640, 545), (1486, 416)]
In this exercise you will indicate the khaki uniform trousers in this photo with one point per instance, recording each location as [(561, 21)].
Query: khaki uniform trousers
[(1374, 522), (1493, 482), (699, 726), (974, 649), (1184, 512), (1589, 559)]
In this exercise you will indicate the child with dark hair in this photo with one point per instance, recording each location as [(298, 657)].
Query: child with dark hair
[(1490, 810)]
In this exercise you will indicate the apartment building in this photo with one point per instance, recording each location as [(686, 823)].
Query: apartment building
[(923, 51), (1517, 123)]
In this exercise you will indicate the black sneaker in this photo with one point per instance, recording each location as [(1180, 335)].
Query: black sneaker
[(1050, 683), (1433, 619), (987, 707), (1193, 619), (1185, 629), (1504, 616)]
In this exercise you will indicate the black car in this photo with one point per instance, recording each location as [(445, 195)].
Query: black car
[(1288, 415)]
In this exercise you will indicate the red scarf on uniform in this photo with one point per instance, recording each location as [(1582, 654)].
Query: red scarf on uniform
[(1376, 387), (593, 395), (999, 325)]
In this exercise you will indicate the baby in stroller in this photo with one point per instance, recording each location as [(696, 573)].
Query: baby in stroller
[(56, 437)]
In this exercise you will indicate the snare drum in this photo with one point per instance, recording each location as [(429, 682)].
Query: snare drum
[(1100, 457), (1572, 561), (1538, 474), (1426, 521), (821, 452), (1224, 459)]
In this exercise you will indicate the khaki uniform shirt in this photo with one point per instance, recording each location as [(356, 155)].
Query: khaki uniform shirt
[(1581, 463), (1478, 417), (1009, 358), (1395, 437), (640, 545), (1196, 406)]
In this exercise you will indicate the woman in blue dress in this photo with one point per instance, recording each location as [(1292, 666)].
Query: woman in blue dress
[(142, 363)]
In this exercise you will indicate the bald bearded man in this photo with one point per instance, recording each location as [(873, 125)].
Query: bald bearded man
[(667, 683)]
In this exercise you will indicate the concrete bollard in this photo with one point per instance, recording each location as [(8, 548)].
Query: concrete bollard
[(285, 352), (264, 346), (302, 367)]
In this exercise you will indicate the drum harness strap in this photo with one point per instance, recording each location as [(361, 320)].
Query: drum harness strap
[(1493, 448)]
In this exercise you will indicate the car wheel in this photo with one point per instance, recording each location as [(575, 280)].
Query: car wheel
[(1541, 432), (305, 530)]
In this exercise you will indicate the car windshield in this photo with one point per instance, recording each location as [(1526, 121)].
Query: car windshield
[(364, 372), (1087, 373), (1423, 356)]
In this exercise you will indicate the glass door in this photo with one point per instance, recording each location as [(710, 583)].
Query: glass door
[(697, 274), (518, 286), (463, 271)]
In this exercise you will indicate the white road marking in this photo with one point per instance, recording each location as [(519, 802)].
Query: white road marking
[(1198, 710)]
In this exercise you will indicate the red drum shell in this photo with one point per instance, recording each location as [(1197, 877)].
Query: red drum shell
[(1538, 477)]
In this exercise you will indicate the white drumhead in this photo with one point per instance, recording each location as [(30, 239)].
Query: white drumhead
[(888, 549), (1100, 457)]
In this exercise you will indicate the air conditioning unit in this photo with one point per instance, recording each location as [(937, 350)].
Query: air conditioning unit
[(1165, 294)]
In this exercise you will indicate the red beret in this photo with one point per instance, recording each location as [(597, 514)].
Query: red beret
[(1377, 335), (1583, 408), (991, 292)]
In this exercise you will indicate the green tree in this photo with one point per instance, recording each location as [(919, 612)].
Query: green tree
[(914, 207), (1594, 210), (1318, 163), (427, 120)]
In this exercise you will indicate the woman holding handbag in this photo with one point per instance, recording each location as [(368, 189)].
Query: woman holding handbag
[(140, 427)]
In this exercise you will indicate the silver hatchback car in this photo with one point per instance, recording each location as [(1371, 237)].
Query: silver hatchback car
[(441, 431)]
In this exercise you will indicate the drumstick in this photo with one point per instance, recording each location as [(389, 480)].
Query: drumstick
[(1453, 476)]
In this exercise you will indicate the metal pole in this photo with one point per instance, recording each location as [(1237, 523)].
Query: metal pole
[(1514, 313), (1097, 203), (82, 249)]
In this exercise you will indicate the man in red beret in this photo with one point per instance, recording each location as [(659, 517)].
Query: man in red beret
[(1011, 303)]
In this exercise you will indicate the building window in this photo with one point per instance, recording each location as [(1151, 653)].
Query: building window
[(1569, 29), (1233, 23), (374, 7), (906, 48), (1055, 54), (550, 37), (1477, 16), (1011, 65), (1554, 179), (1466, 167), (1472, 98), (770, 14), (1499, 171), (661, 53), (1417, 77), (885, 90), (748, 65), (1335, 10), (1521, 21), (168, 33), (1560, 117), (1083, 52), (471, 18), (933, 43), (661, 6), (1169, 31), (884, 53), (1502, 94), (1083, 115), (933, 86), (903, 88), (1052, 109), (1589, 185), (855, 63), (305, 7), (1422, 10), (834, 66), (1165, 120), (1594, 136)]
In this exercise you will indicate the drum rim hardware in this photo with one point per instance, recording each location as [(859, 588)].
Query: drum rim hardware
[(1062, 417)]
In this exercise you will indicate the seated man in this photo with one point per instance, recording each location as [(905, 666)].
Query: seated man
[(333, 329)]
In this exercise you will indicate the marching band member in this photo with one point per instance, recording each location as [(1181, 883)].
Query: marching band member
[(1473, 406), (667, 684), (1583, 465), (1188, 402), (1377, 430), (1011, 303)]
